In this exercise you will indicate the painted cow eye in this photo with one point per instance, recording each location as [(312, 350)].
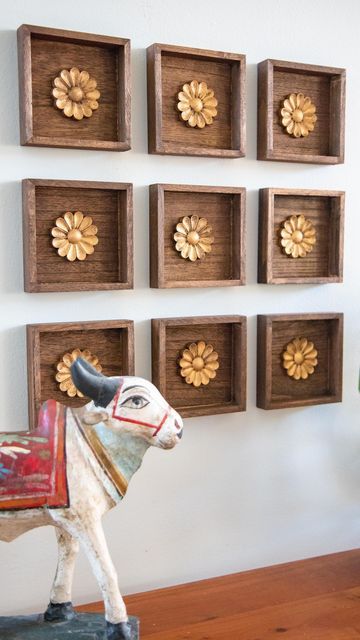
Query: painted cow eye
[(136, 402)]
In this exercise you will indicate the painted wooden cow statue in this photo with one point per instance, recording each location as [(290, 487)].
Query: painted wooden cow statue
[(96, 450)]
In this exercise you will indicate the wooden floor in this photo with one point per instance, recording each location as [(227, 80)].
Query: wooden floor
[(316, 599)]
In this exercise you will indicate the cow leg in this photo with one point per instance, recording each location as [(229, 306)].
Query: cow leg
[(60, 606), (96, 549), (91, 536)]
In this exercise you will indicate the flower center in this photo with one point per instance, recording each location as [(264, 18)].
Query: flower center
[(298, 357), (198, 363), (74, 236), (193, 237), (297, 236), (196, 104), (76, 94), (297, 115)]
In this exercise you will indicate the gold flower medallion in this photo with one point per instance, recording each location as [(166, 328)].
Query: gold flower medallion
[(199, 363), (63, 375), (193, 238), (75, 93), (74, 236), (197, 104), (298, 236), (298, 115), (300, 358)]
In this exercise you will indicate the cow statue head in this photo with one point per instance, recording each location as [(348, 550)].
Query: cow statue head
[(127, 403)]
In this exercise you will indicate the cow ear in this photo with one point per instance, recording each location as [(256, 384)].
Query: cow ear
[(94, 417)]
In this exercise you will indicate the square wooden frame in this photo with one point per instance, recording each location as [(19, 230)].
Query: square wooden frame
[(327, 208), (231, 378), (275, 389), (233, 232), (158, 142), (84, 274), (328, 84), (111, 339), (115, 118)]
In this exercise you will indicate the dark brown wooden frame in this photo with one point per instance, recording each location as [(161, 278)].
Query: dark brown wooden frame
[(236, 384), (271, 374), (158, 241), (157, 144), (327, 253), (269, 125), (122, 123), (32, 257), (37, 364)]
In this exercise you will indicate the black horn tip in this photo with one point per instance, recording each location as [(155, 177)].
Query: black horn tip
[(92, 384)]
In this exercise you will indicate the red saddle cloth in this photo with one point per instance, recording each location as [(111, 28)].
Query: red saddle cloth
[(33, 463)]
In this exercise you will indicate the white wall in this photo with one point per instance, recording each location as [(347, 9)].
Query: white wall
[(243, 490)]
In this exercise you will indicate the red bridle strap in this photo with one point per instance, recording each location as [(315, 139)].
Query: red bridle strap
[(139, 422)]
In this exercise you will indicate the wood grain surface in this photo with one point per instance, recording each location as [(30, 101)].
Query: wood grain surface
[(325, 86), (325, 209), (275, 389), (110, 206), (224, 209), (42, 54), (227, 334), (111, 340), (313, 599), (169, 68)]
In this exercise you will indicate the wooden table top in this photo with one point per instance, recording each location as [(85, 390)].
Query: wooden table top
[(314, 599)]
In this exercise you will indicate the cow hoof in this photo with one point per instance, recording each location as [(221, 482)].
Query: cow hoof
[(118, 631), (59, 612)]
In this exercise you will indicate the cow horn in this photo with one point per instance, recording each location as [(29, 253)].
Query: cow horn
[(93, 384)]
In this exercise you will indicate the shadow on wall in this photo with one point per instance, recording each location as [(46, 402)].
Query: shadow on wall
[(11, 260), (9, 100)]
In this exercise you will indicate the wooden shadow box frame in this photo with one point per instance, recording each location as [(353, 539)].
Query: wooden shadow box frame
[(224, 208), (110, 204), (112, 341), (275, 389), (326, 87), (169, 67), (224, 394), (325, 209), (42, 54)]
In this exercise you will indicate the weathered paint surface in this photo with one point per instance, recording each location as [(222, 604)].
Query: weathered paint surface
[(104, 448)]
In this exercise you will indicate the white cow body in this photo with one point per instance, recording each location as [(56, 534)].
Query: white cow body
[(91, 491)]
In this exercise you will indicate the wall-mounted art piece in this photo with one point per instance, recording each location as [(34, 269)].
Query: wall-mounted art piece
[(197, 236), (196, 101), (299, 359), (74, 89), (300, 236), (77, 235), (107, 345), (201, 363), (301, 112)]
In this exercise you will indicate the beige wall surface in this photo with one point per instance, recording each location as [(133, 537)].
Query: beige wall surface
[(243, 490)]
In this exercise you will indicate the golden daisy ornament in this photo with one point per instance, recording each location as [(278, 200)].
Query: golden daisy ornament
[(199, 363), (298, 236), (197, 104), (63, 375), (300, 358), (75, 93), (74, 236), (298, 115), (193, 238)]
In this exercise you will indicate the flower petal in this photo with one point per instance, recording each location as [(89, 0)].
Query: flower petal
[(65, 77), (78, 111), (74, 77), (84, 79), (192, 253), (69, 108), (78, 217)]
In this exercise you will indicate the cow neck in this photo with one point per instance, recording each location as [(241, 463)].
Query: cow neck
[(119, 453)]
